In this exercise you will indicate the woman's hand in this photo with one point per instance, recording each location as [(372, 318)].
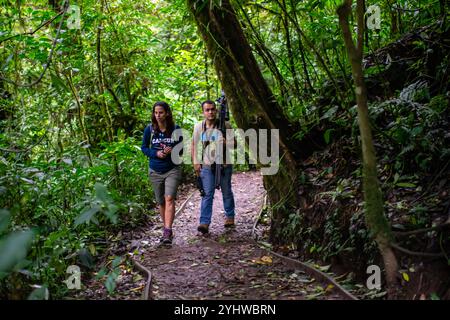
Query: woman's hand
[(160, 154), (167, 150)]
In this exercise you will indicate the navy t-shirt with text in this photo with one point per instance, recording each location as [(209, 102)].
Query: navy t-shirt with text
[(159, 140)]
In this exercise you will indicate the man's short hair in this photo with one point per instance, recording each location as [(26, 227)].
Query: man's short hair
[(208, 102)]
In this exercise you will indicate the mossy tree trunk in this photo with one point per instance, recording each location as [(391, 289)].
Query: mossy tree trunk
[(250, 99), (376, 221)]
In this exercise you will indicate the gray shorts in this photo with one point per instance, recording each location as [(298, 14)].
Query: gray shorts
[(165, 184)]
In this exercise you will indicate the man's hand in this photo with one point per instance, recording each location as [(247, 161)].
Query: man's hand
[(197, 168)]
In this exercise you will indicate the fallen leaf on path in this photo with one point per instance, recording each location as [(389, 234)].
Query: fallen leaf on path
[(265, 244), (323, 268), (137, 278), (263, 260), (313, 296), (405, 276), (329, 288), (137, 288), (306, 280)]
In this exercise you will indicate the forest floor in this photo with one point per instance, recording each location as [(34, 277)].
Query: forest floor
[(226, 264)]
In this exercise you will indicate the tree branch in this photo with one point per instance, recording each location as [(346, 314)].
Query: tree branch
[(343, 12), (49, 59), (46, 23), (24, 150), (416, 253), (423, 230), (360, 22)]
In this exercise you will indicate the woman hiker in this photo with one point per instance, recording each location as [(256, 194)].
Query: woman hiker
[(165, 175)]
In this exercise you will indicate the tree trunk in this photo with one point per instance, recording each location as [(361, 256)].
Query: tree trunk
[(101, 83), (80, 115), (101, 86), (250, 99), (208, 89), (376, 221)]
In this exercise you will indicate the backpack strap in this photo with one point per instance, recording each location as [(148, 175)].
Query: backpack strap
[(151, 131), (207, 142)]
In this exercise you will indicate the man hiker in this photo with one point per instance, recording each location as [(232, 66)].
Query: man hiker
[(208, 139)]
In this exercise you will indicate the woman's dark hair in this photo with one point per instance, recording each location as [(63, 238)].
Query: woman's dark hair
[(170, 125)]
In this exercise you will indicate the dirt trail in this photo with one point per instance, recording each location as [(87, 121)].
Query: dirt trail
[(227, 264)]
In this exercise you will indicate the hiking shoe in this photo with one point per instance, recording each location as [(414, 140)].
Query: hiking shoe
[(229, 223), (203, 228), (167, 236)]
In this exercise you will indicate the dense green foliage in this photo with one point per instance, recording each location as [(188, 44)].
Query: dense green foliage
[(71, 169), (71, 146)]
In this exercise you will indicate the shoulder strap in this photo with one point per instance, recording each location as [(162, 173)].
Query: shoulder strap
[(151, 131), (177, 136)]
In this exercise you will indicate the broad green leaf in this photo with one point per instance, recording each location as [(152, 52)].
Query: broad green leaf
[(85, 258), (5, 219), (406, 185), (434, 296), (14, 248), (27, 180), (265, 244), (111, 213), (110, 282), (88, 215), (116, 262), (325, 268), (326, 136), (67, 161), (58, 83), (102, 193), (101, 273), (330, 113), (5, 162), (40, 293)]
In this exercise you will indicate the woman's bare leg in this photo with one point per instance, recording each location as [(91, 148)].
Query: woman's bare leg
[(169, 214), (162, 211)]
